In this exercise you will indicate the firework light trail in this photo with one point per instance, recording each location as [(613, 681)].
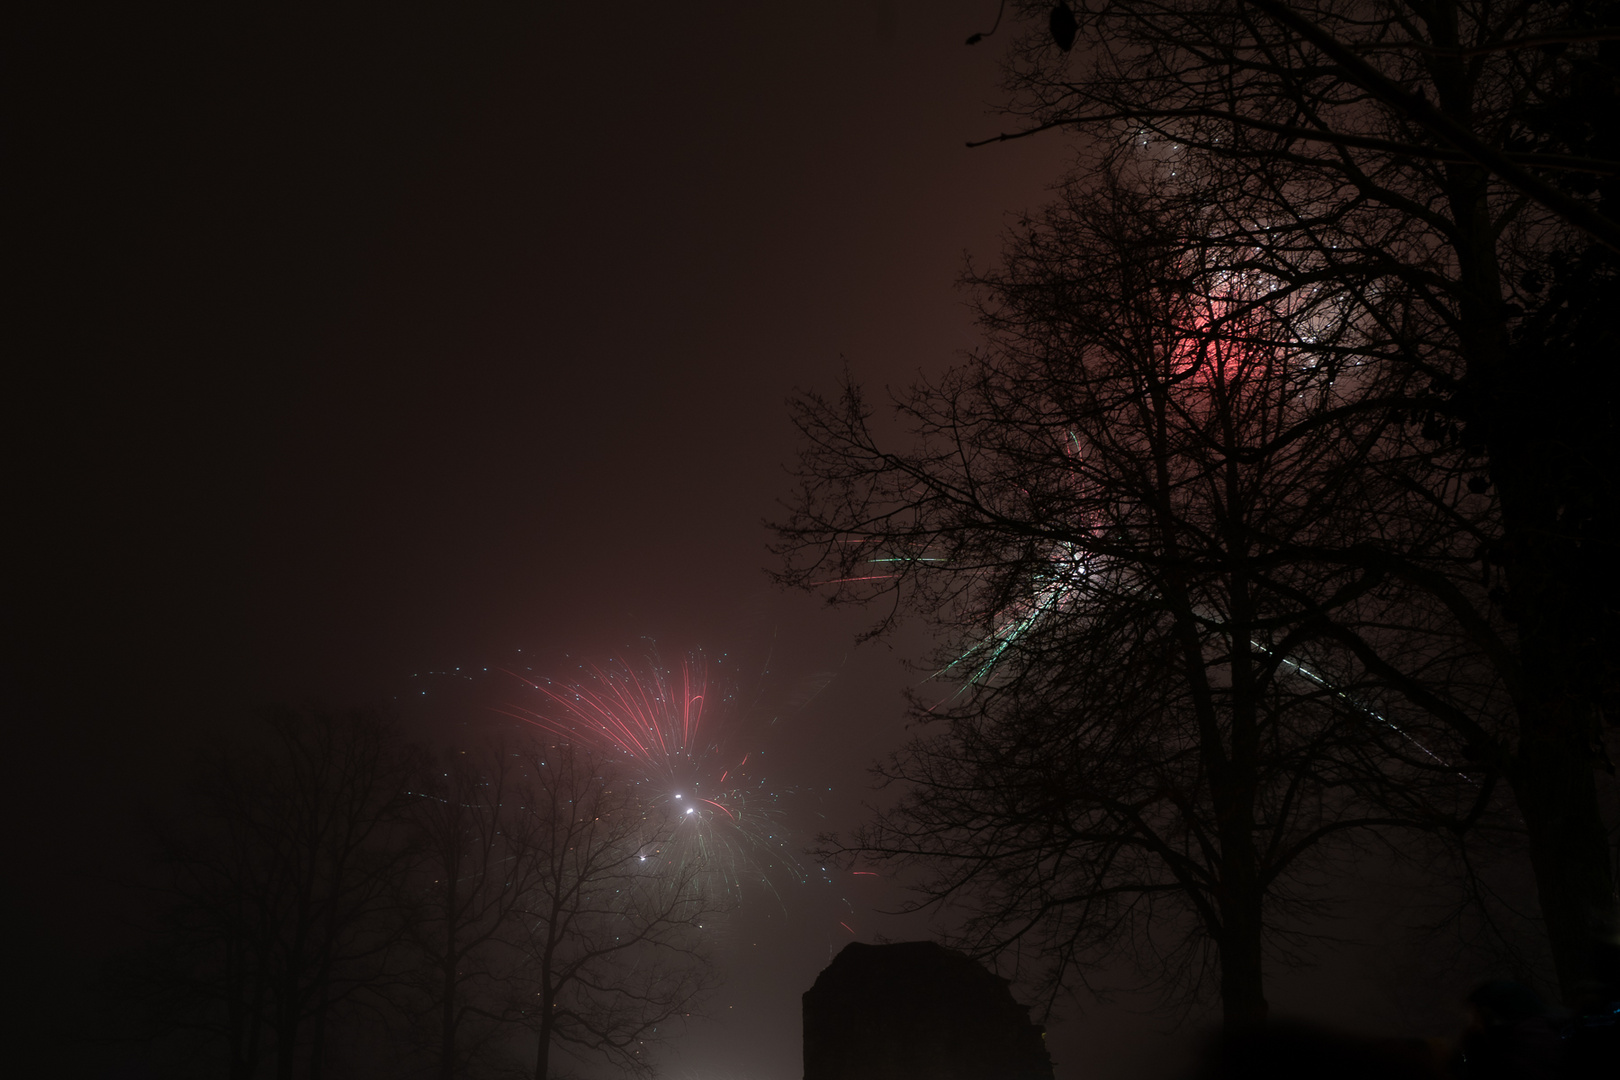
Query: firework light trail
[(1060, 588), (1055, 593), (678, 729)]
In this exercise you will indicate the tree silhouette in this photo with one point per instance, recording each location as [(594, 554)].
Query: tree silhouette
[(329, 878), (611, 936), (478, 863), (1465, 155), (1155, 731), (285, 879)]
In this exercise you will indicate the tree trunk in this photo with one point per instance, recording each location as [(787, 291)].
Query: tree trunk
[(447, 989), (239, 1015), (317, 1041), (1551, 774), (286, 1052), (1242, 897), (542, 1056), (1242, 902), (1243, 999), (447, 1021), (1569, 847), (1552, 771)]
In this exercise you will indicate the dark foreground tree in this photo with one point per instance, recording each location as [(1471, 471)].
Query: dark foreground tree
[(611, 937), (1155, 745), (285, 878), (1464, 154), (327, 878), (478, 864)]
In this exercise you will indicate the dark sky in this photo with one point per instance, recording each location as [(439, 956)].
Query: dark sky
[(359, 345)]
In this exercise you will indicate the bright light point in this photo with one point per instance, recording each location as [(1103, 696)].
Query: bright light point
[(657, 721)]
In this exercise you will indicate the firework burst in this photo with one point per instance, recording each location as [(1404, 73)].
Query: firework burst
[(680, 730)]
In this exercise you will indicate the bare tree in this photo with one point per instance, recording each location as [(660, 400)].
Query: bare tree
[(1154, 736), (1463, 154), (611, 935), (329, 867), (478, 865), (285, 881), (1335, 74)]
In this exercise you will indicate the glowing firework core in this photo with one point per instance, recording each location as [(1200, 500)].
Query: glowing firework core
[(660, 722)]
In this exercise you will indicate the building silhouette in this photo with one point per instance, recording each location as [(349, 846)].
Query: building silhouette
[(915, 1010)]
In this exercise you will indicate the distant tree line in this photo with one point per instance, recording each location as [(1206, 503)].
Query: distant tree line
[(1275, 520), (339, 902)]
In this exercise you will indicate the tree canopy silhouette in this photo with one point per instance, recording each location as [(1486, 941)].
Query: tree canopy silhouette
[(1151, 728), (1464, 154)]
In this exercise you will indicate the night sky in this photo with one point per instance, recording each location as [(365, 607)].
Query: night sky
[(360, 346)]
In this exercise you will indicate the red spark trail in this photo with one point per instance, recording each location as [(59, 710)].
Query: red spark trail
[(671, 726), (718, 807)]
